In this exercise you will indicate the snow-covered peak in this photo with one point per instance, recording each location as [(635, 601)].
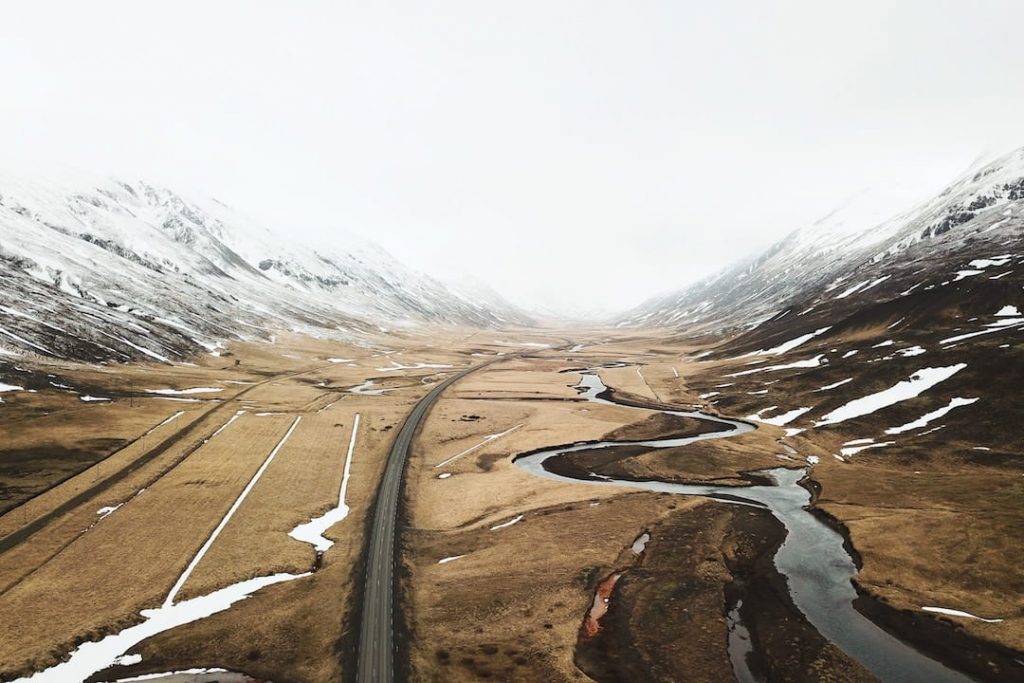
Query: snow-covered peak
[(131, 248)]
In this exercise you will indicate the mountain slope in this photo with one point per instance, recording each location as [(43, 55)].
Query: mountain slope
[(110, 270), (851, 257)]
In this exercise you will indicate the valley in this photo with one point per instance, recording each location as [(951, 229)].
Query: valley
[(805, 468), (498, 567)]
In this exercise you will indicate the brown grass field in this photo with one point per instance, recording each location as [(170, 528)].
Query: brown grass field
[(511, 606)]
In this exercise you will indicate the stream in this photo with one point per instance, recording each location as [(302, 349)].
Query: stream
[(817, 567)]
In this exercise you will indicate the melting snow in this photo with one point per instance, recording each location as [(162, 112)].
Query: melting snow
[(788, 346), (514, 520), (415, 366), (964, 274), (928, 417), (91, 657), (105, 512), (958, 613), (446, 560), (989, 262), (854, 450), (808, 363), (1008, 311), (779, 420), (487, 439), (183, 392), (920, 381), (997, 326), (90, 399), (312, 532), (835, 384)]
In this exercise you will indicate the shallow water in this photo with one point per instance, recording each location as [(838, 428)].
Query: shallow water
[(813, 558)]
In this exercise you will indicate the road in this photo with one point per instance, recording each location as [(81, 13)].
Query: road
[(377, 647)]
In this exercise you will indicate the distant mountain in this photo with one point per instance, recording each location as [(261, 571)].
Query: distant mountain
[(945, 249), (113, 270)]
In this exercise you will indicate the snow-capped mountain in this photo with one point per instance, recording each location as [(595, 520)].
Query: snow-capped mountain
[(112, 270), (857, 256)]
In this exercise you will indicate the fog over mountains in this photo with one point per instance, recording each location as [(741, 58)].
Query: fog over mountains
[(103, 269)]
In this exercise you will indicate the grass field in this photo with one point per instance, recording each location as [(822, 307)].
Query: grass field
[(93, 538)]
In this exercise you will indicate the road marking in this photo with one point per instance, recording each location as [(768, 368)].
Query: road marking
[(227, 517)]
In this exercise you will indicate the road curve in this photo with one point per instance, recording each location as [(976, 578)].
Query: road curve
[(377, 647)]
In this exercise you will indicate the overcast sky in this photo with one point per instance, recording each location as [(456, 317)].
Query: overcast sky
[(583, 154)]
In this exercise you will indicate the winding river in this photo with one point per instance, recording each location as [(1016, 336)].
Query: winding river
[(813, 559)]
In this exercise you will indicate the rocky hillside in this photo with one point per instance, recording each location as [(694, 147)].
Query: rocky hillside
[(902, 335), (852, 259), (116, 271)]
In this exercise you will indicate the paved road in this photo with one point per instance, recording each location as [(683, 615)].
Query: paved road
[(377, 647)]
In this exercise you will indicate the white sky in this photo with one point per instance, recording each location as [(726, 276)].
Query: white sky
[(572, 154)]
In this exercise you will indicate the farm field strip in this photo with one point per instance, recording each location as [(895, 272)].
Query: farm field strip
[(227, 517), (93, 657), (130, 560)]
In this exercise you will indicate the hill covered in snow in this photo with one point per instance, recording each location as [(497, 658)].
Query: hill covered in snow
[(103, 269), (856, 256)]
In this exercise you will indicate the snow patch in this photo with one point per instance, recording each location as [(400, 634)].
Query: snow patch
[(919, 382)]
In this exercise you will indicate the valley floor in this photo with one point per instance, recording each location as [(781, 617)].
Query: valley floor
[(156, 519)]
